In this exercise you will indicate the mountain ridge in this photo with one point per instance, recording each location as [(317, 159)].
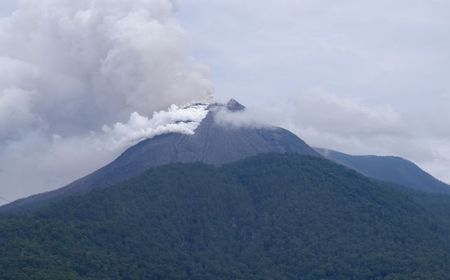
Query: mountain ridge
[(212, 143), (390, 169), (218, 143)]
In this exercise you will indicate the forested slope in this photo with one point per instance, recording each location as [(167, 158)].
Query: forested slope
[(267, 217)]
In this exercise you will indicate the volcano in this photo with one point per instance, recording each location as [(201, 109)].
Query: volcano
[(213, 143), (228, 201)]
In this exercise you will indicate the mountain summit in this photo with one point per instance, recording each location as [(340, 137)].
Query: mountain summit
[(213, 142), (227, 212), (234, 106)]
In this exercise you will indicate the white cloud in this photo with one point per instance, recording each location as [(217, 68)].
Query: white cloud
[(324, 120), (246, 118), (382, 67), (41, 162), (91, 63), (69, 68), (174, 120)]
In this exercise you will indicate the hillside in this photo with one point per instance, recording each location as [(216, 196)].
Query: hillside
[(212, 143), (272, 216), (389, 169)]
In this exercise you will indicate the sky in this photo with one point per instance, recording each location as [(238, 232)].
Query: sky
[(362, 77), (7, 6)]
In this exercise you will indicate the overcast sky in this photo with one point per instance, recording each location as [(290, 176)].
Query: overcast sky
[(359, 76)]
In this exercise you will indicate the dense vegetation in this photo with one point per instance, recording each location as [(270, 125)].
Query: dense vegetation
[(390, 169), (266, 217)]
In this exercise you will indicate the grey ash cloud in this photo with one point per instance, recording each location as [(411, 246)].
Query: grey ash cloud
[(363, 77), (78, 78)]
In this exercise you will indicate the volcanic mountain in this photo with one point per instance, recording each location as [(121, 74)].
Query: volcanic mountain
[(213, 143), (229, 201), (389, 169)]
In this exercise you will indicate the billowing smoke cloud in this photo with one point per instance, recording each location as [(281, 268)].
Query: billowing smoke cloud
[(48, 161), (174, 120), (73, 72)]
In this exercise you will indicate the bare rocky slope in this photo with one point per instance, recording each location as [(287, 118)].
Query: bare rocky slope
[(212, 143)]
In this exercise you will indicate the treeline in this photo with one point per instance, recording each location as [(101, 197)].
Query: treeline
[(266, 217)]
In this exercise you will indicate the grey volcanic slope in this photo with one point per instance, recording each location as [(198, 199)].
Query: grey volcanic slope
[(212, 143), (389, 169)]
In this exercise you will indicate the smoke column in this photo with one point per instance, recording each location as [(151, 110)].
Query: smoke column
[(80, 81)]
